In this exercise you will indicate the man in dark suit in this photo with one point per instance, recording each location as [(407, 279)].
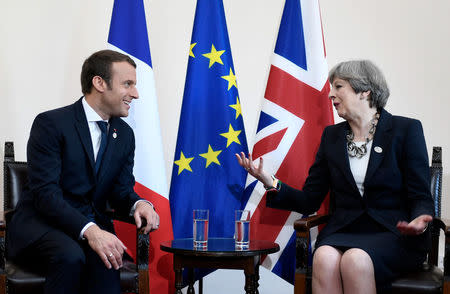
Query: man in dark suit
[(79, 158)]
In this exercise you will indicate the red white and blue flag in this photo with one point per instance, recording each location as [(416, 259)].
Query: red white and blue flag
[(128, 34), (294, 112)]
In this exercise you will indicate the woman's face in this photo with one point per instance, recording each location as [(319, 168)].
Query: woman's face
[(347, 102)]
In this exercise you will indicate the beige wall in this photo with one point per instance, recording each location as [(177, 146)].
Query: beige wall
[(43, 43)]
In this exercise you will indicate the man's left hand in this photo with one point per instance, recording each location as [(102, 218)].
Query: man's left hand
[(146, 211)]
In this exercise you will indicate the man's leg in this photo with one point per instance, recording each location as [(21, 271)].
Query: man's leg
[(58, 257), (100, 280)]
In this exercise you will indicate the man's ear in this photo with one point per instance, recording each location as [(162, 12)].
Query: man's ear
[(99, 84)]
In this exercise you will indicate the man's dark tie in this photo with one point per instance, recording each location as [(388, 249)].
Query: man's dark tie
[(104, 128)]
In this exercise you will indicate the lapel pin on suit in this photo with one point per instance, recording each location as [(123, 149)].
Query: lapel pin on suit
[(114, 134), (378, 149)]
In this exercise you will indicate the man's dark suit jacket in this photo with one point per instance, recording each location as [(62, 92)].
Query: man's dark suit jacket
[(63, 191), (396, 186)]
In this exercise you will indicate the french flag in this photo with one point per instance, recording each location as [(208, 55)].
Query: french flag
[(128, 34), (294, 112)]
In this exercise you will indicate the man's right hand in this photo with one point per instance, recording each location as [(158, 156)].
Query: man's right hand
[(106, 245)]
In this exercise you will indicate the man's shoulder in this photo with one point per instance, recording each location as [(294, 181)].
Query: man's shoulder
[(59, 114)]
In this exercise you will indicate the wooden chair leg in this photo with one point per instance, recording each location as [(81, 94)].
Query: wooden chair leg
[(2, 284), (302, 283), (143, 243), (143, 282)]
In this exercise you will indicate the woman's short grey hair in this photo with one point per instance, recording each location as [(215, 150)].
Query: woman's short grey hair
[(363, 75)]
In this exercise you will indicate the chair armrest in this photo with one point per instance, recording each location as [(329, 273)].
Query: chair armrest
[(443, 224), (2, 221), (2, 242), (124, 218), (303, 245), (143, 240), (305, 224), (4, 216), (120, 217), (143, 246)]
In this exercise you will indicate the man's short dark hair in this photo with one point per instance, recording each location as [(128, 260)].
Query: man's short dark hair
[(99, 64)]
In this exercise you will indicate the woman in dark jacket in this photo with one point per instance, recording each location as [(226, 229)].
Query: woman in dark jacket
[(375, 166)]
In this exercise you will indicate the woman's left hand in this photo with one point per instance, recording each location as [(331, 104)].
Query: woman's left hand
[(416, 226)]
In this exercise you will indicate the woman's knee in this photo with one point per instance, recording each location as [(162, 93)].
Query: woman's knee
[(326, 258), (356, 260)]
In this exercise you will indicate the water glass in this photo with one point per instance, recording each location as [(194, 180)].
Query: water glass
[(241, 228), (201, 219)]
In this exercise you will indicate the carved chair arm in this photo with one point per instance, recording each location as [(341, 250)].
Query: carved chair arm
[(143, 241), (2, 242), (305, 224), (120, 217), (2, 221), (303, 247), (443, 224)]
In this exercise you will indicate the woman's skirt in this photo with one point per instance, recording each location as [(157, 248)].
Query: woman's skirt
[(389, 252)]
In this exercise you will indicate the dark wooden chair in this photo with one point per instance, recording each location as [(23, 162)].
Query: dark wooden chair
[(430, 279), (13, 279)]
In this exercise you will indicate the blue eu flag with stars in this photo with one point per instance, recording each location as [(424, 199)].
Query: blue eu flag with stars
[(206, 174)]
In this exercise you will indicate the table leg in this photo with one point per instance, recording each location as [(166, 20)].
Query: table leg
[(256, 285), (190, 289), (250, 274), (249, 285), (178, 274), (178, 281)]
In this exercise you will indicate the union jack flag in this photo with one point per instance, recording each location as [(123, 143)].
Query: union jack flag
[(294, 112)]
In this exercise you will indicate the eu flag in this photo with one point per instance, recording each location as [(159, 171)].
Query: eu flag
[(205, 173)]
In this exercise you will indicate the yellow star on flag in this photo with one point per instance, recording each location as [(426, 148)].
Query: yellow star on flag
[(214, 56), (232, 136), (211, 156), (231, 78), (190, 50), (237, 107), (183, 163)]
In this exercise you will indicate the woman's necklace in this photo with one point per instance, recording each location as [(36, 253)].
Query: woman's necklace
[(355, 151)]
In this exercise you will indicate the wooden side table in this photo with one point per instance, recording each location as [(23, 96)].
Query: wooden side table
[(221, 253)]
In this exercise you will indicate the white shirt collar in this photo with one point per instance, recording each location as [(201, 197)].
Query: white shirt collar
[(91, 115)]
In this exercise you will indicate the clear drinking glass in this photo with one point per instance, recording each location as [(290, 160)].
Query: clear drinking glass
[(200, 219), (242, 228)]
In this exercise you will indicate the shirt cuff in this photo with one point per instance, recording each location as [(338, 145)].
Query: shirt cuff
[(84, 230), (133, 209)]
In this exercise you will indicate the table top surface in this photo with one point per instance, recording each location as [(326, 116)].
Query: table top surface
[(219, 247)]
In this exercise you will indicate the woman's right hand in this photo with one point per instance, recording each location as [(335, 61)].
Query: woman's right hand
[(256, 171)]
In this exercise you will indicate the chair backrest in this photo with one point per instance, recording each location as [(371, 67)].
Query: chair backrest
[(15, 177), (436, 193), (436, 179)]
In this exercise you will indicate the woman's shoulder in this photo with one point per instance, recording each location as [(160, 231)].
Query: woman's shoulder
[(404, 122), (336, 127), (399, 122)]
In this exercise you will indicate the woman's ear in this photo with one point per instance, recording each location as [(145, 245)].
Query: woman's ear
[(366, 95)]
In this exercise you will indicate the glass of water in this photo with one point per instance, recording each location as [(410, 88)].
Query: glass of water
[(200, 219), (242, 228)]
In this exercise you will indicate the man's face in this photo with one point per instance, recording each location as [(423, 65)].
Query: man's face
[(116, 99)]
